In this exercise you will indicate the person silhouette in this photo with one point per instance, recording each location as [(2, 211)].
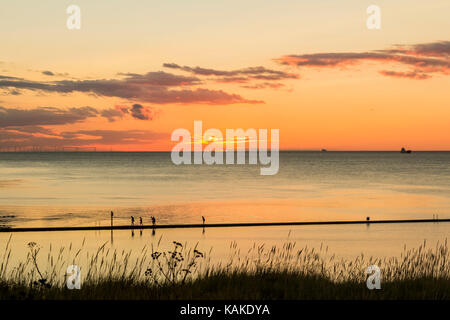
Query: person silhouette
[(153, 220), (140, 221), (203, 218), (112, 217), (132, 220)]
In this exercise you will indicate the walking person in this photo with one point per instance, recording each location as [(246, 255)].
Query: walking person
[(140, 221), (112, 224), (132, 220), (203, 219), (153, 220)]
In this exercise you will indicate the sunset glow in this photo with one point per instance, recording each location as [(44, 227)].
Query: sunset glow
[(127, 88)]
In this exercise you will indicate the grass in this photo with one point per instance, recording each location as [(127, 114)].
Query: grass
[(262, 273)]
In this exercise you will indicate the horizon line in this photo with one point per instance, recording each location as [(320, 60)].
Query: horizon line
[(168, 151)]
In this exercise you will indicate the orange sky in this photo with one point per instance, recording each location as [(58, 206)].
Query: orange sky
[(134, 73)]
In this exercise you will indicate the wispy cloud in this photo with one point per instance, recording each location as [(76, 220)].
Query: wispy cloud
[(23, 138), (137, 111), (48, 73), (410, 75), (244, 75), (53, 74), (44, 116), (112, 114), (51, 116), (424, 59), (152, 87)]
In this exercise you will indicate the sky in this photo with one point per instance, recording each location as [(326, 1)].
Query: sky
[(136, 71)]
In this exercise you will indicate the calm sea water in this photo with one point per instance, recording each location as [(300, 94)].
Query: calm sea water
[(67, 189)]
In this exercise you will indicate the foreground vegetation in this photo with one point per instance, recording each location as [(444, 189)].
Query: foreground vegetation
[(263, 274)]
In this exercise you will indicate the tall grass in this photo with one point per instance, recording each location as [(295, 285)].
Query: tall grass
[(421, 262), (176, 265), (261, 272)]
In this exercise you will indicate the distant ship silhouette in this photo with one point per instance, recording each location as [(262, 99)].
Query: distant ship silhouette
[(405, 151)]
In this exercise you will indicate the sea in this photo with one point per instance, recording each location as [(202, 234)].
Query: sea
[(50, 189)]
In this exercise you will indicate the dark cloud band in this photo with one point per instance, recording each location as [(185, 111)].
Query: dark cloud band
[(425, 59), (152, 87)]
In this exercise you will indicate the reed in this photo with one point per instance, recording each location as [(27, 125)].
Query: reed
[(184, 272)]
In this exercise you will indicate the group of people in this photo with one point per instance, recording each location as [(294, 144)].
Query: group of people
[(140, 220), (132, 220)]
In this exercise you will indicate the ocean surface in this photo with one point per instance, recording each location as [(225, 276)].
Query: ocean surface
[(77, 188)]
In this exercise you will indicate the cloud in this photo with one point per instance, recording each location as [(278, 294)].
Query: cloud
[(433, 49), (113, 137), (410, 75), (112, 114), (252, 71), (201, 96), (243, 75), (23, 138), (139, 112), (264, 85), (425, 59), (160, 79), (11, 92), (48, 116), (10, 117), (29, 128), (9, 78), (152, 87), (32, 129), (51, 73)]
